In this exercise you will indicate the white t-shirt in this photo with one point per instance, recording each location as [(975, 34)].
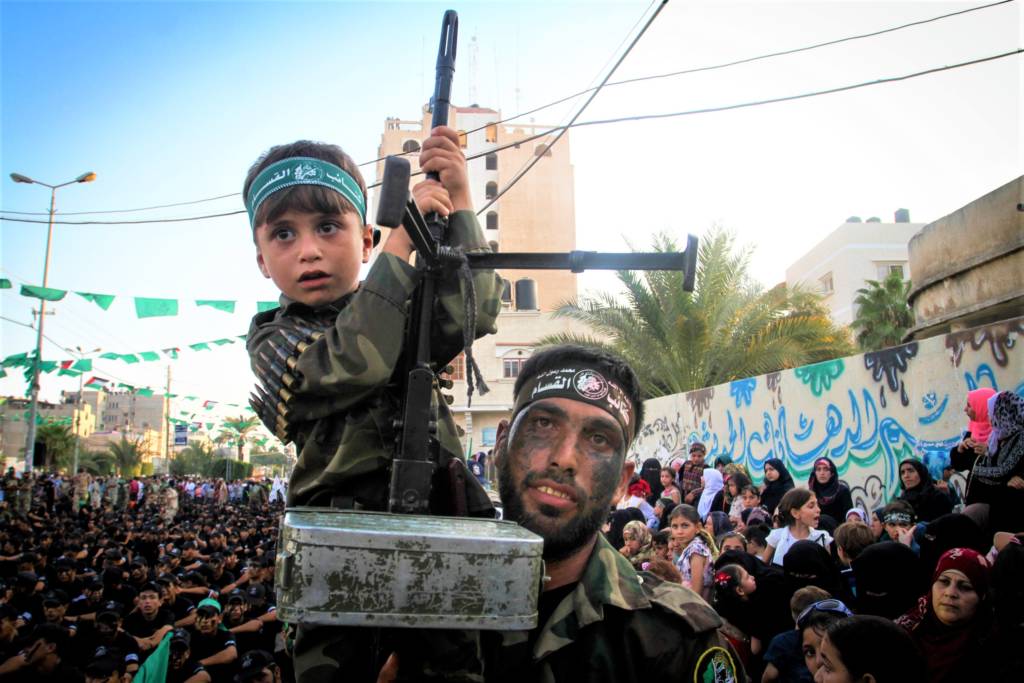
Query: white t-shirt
[(782, 539)]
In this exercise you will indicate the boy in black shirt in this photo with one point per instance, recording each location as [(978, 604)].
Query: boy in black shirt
[(150, 621), (213, 646)]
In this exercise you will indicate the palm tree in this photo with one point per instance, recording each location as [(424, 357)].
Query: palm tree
[(127, 456), (238, 429), (728, 328), (59, 442), (883, 314)]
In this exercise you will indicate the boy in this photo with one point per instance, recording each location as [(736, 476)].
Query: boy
[(784, 658), (328, 356)]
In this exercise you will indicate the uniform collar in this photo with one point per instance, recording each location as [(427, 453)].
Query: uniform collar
[(608, 579)]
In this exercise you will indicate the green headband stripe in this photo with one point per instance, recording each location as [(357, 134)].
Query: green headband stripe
[(303, 171)]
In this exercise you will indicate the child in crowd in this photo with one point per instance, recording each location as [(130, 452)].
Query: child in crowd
[(638, 544), (731, 540), (750, 497), (786, 657), (733, 588), (799, 514), (660, 542), (757, 539), (698, 549), (869, 648), (898, 521), (668, 486), (856, 515), (852, 538)]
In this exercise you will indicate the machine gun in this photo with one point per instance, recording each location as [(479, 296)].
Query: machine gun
[(405, 567)]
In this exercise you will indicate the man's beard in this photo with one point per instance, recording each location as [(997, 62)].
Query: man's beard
[(560, 542)]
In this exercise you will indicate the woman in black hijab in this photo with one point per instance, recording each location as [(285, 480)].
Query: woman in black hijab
[(768, 613), (889, 579), (920, 491), (651, 473), (834, 497), (811, 565), (777, 480), (618, 521)]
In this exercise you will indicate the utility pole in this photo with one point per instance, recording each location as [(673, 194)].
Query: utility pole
[(167, 419)]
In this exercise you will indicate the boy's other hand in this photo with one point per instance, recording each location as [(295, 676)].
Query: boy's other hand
[(430, 195), (441, 154)]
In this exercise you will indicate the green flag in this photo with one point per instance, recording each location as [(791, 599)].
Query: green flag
[(110, 355), (262, 306), (209, 426), (154, 669), (44, 293), (128, 357), (68, 372), (144, 392), (226, 306), (48, 365), (101, 300), (172, 352), (155, 308), (83, 365), (15, 360), (149, 355), (222, 342), (200, 346), (5, 283)]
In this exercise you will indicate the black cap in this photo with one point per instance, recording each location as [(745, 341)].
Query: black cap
[(111, 607), (174, 552), (64, 563), (58, 596), (257, 591), (94, 584), (180, 635), (26, 579), (236, 595), (104, 663), (252, 663)]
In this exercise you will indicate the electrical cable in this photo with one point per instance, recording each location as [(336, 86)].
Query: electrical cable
[(711, 67), (640, 117)]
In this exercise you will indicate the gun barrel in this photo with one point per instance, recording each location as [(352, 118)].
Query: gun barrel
[(579, 261)]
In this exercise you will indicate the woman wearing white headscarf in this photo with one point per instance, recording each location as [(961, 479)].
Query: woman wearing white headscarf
[(711, 498)]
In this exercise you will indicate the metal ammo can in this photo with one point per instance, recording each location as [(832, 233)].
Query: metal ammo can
[(342, 567)]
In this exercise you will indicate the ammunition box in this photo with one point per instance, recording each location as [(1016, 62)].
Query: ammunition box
[(343, 567)]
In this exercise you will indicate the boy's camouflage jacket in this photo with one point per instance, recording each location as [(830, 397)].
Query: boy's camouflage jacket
[(620, 626), (344, 400)]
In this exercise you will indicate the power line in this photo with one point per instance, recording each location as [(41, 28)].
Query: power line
[(724, 65), (710, 67), (600, 122)]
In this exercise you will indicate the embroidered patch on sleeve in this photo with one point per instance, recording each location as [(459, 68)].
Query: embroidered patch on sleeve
[(715, 665)]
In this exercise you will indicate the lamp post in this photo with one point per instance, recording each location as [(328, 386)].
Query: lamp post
[(30, 437)]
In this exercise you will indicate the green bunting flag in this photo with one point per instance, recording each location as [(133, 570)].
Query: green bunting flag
[(155, 308), (172, 352), (48, 365), (144, 392), (83, 365), (68, 372), (5, 283), (262, 306), (209, 426), (15, 360), (149, 355), (101, 300), (226, 306), (44, 293), (222, 342), (201, 346)]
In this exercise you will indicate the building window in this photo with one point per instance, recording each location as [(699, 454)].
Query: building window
[(491, 190), (491, 161), (887, 269), (506, 292), (827, 286), (491, 132), (410, 146), (462, 139), (492, 220), (896, 268), (458, 368), (511, 367)]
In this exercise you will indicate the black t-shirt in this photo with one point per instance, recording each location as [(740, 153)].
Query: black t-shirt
[(182, 607), (189, 669), (138, 626), (88, 641), (226, 578), (207, 646), (63, 673), (81, 605)]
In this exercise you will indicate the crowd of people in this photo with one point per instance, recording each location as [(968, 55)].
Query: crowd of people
[(800, 573), (98, 575)]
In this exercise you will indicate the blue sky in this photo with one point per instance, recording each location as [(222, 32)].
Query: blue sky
[(172, 101)]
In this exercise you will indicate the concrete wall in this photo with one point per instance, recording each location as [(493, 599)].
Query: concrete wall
[(969, 266), (866, 412)]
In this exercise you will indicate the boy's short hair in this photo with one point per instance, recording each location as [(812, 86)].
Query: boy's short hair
[(309, 198), (853, 538), (750, 489), (662, 537), (804, 598), (758, 533)]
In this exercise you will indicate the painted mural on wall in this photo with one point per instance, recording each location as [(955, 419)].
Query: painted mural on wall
[(866, 412)]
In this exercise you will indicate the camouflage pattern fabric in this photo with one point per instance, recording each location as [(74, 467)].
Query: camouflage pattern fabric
[(345, 401), (620, 626), (341, 417)]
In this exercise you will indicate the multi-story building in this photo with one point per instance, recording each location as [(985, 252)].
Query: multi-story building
[(537, 214), (852, 254), (13, 426)]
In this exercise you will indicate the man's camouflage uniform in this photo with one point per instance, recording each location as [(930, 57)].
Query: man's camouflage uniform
[(620, 626), (343, 408)]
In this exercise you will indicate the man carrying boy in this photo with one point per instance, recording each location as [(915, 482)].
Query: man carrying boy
[(329, 356)]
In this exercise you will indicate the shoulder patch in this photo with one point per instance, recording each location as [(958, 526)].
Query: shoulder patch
[(715, 665)]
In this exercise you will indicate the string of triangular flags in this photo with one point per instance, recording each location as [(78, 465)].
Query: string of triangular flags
[(145, 307), (71, 368)]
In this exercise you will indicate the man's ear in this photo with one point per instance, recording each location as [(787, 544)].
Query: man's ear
[(620, 490), (501, 439), (261, 264)]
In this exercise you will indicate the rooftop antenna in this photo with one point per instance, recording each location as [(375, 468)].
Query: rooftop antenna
[(474, 58)]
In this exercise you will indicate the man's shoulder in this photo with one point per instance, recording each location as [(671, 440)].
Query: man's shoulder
[(679, 603)]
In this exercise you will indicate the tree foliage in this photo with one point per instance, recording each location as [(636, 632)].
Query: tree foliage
[(196, 458), (127, 456), (728, 328), (235, 431), (883, 314), (59, 442)]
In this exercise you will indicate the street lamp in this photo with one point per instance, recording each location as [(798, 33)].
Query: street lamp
[(30, 437)]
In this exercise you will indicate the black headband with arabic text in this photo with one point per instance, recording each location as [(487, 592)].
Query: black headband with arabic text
[(580, 383)]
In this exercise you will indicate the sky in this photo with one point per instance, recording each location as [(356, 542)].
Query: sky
[(172, 101)]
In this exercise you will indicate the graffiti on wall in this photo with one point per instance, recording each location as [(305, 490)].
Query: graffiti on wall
[(867, 413)]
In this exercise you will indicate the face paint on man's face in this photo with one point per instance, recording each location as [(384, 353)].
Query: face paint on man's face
[(558, 470)]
